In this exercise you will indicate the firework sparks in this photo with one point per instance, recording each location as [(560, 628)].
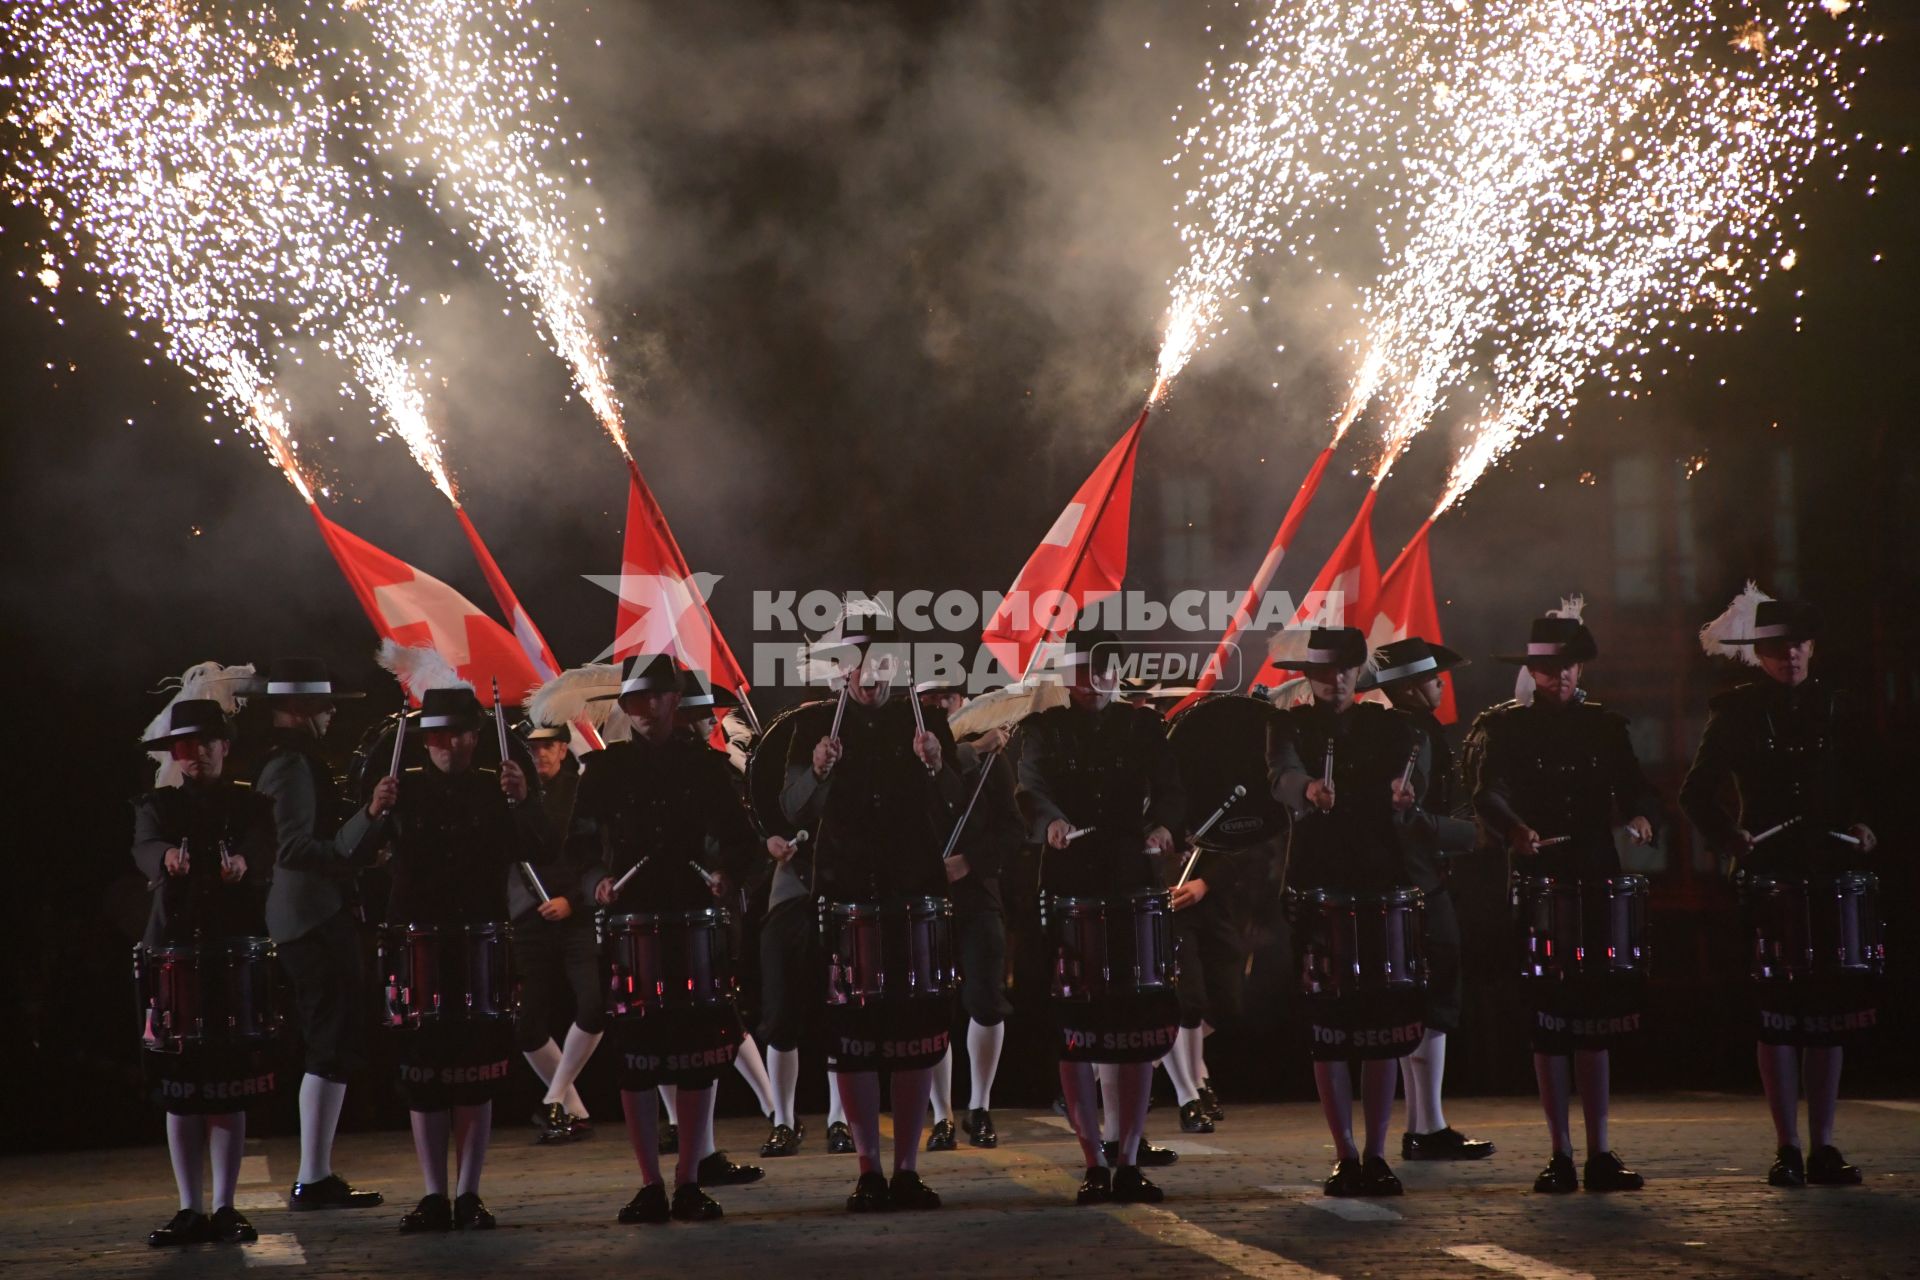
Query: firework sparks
[(1307, 118), (179, 160), (1669, 229), (467, 104)]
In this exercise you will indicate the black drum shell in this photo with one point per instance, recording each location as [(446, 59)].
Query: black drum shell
[(1554, 917), (888, 951), (1220, 742), (661, 962), (1818, 927), (212, 991), (1354, 944), (1094, 961), (447, 973)]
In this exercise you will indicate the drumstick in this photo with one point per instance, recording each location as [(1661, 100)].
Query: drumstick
[(1550, 841), (399, 738), (1406, 774), (840, 711), (1326, 773), (533, 882), (1852, 840), (1776, 829), (799, 838), (980, 784), (621, 883), (919, 717), (705, 874), (1077, 832), (1193, 856)]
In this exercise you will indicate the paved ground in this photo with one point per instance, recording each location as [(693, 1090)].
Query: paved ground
[(1244, 1201)]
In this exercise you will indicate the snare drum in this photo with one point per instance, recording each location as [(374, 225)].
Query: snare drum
[(216, 991), (1819, 927), (436, 974), (886, 952), (1355, 944), (1581, 929), (662, 961), (1111, 947)]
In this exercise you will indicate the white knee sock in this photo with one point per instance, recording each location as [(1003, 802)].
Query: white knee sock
[(836, 1105), (670, 1103), (643, 1131), (573, 1059), (226, 1141), (1179, 1065), (1109, 1076), (783, 1070), (187, 1149), (693, 1112), (747, 1062), (942, 1089), (472, 1131), (1423, 1070), (320, 1103), (983, 1061), (1198, 1052), (908, 1091), (430, 1132)]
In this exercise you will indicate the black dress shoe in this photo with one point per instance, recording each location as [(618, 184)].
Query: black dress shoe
[(1443, 1144), (561, 1127), (1789, 1170), (839, 1139), (1606, 1171), (433, 1213), (869, 1195), (331, 1192), (1146, 1156), (1194, 1117), (691, 1204), (184, 1227), (670, 1140), (1377, 1178), (781, 1142), (1826, 1167), (907, 1192), (229, 1226), (1060, 1105), (1211, 1101), (718, 1171), (1347, 1179), (470, 1213), (649, 1205), (1130, 1186), (979, 1127), (1096, 1187), (941, 1136), (1557, 1179)]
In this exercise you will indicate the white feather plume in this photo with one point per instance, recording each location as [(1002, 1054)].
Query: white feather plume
[(419, 668), (1736, 621), (224, 685), (568, 697)]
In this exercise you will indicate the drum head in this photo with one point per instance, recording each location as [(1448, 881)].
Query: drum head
[(767, 766), (1220, 742)]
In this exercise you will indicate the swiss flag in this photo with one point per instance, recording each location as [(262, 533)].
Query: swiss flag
[(1262, 579), (1406, 607), (1082, 559), (532, 643), (412, 608), (663, 606), (1353, 571)]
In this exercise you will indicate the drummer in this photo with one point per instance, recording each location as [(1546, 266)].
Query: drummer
[(1099, 787), (880, 798), (1352, 770), (1783, 750), (205, 846), (1408, 671), (990, 841), (1551, 776), (553, 946), (457, 831), (659, 817)]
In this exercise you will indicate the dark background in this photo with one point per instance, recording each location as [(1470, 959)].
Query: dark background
[(886, 281)]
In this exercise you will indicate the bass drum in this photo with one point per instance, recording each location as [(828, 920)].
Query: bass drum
[(767, 765), (1218, 743)]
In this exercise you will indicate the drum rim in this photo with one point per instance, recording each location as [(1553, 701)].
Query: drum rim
[(481, 929), (713, 915), (927, 901), (1626, 879), (761, 822), (1864, 878), (1399, 895)]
